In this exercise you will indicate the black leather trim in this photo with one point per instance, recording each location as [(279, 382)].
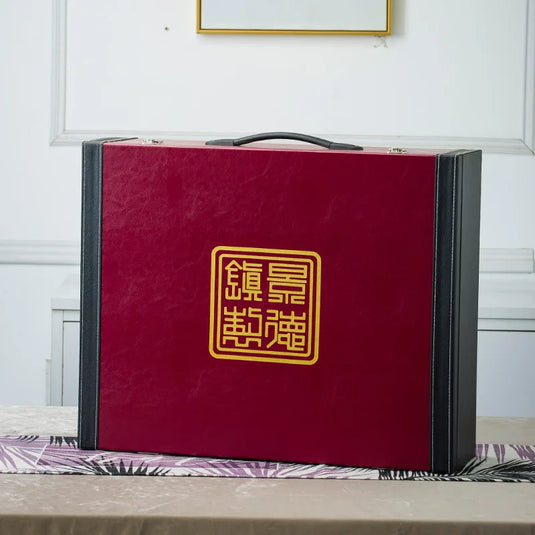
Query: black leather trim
[(90, 292), (455, 307)]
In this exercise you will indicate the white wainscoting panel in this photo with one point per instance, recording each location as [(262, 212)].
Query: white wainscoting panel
[(25, 329), (453, 74)]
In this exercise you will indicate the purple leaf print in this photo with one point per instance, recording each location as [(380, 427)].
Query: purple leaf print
[(60, 455)]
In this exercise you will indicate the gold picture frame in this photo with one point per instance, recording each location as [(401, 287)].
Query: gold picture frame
[(210, 20)]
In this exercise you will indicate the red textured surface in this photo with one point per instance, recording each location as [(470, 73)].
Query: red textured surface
[(369, 216)]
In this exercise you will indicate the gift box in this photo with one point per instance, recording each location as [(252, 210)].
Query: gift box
[(309, 302)]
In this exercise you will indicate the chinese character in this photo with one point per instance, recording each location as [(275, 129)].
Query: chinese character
[(243, 281), (288, 330), (236, 329), (287, 283)]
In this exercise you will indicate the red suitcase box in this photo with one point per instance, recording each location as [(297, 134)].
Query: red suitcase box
[(291, 303)]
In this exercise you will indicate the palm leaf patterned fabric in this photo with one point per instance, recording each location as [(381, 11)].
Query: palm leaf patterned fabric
[(60, 455)]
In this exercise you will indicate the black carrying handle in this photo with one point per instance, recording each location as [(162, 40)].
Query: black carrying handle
[(283, 135)]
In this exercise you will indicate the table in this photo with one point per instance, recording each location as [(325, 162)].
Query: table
[(169, 505)]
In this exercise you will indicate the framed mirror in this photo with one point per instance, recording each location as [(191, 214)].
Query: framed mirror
[(338, 17)]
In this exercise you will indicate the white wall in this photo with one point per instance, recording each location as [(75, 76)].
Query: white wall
[(39, 198), (453, 73)]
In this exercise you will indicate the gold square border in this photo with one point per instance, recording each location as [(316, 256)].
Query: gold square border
[(259, 253), (218, 311)]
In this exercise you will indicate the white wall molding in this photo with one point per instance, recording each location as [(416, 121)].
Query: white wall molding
[(506, 302), (60, 135), (41, 252), (506, 261), (529, 88), (58, 70), (506, 290), (492, 145)]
